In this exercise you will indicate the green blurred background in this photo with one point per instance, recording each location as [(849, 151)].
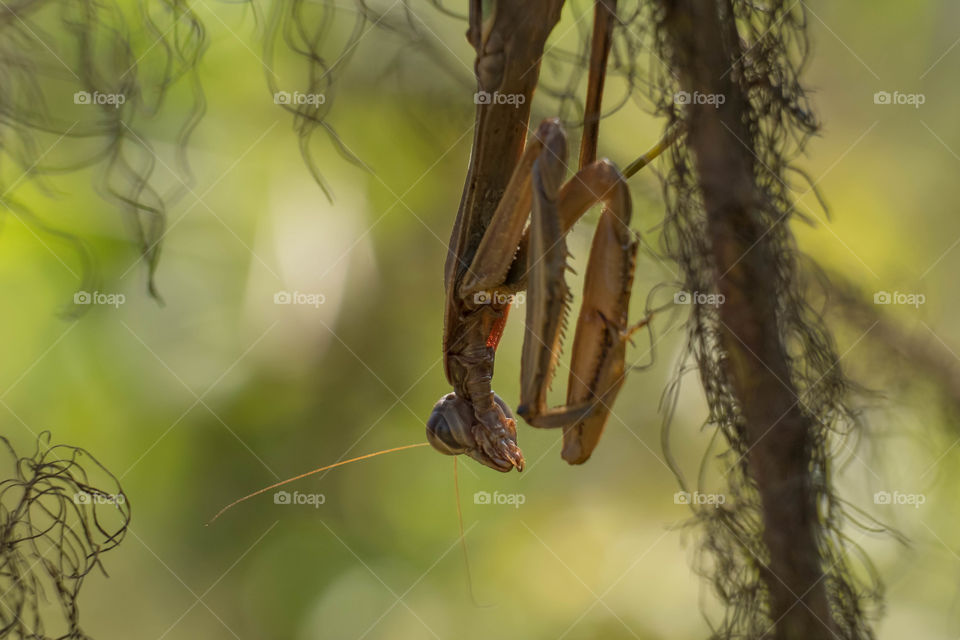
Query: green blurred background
[(220, 391)]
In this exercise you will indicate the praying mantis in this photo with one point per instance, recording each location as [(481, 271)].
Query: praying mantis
[(494, 253)]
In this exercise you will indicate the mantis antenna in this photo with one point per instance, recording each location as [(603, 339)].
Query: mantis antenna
[(456, 484), (310, 473)]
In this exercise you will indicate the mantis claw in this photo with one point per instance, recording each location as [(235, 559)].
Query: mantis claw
[(497, 448)]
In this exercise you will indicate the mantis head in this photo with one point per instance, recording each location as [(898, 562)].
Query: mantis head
[(454, 429)]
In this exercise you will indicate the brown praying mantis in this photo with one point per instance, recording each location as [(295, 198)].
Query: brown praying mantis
[(494, 253)]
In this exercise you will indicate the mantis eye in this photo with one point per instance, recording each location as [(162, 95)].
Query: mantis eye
[(448, 428)]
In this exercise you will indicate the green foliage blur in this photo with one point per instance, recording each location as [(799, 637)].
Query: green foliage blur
[(220, 391)]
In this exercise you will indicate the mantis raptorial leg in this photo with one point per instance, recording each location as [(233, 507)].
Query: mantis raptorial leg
[(597, 366)]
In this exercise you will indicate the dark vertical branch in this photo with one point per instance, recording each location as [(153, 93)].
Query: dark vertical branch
[(775, 429)]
